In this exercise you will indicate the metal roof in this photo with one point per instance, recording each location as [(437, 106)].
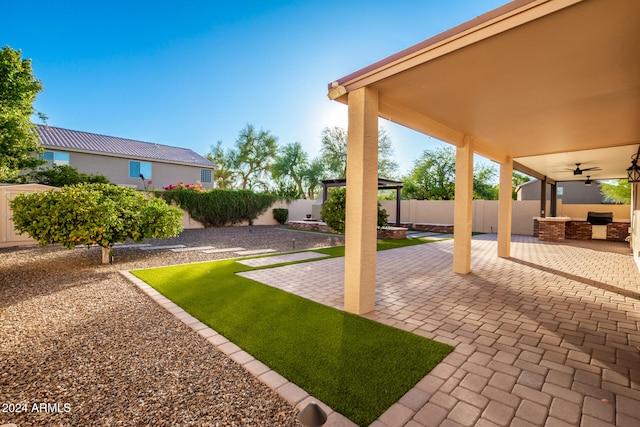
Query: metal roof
[(73, 140)]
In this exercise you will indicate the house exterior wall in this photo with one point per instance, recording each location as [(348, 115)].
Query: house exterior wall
[(573, 192), (117, 170)]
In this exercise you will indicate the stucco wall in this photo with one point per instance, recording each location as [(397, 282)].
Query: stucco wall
[(298, 209), (485, 213), (117, 170), (620, 212)]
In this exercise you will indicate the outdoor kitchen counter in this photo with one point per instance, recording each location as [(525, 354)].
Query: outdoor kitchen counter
[(557, 229)]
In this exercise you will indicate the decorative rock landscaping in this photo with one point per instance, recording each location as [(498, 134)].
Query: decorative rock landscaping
[(76, 332)]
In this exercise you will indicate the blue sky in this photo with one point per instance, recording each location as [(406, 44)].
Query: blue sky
[(190, 73)]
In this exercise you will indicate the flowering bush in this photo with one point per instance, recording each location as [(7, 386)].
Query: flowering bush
[(182, 186)]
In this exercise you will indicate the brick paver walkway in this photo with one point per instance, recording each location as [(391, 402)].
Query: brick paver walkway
[(550, 337), (280, 259)]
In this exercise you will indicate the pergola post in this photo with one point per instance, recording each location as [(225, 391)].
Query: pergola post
[(505, 206), (543, 197), (398, 199), (362, 202), (463, 208)]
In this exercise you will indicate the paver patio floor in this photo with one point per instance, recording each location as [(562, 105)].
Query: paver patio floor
[(549, 337)]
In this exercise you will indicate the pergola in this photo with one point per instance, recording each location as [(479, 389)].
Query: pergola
[(383, 184), (535, 85)]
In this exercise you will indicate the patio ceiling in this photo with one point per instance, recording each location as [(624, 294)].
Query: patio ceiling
[(546, 83)]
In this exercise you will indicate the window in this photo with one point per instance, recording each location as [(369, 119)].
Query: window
[(139, 168), (56, 157), (205, 176)]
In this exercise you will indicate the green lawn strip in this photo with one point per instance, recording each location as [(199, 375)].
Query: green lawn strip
[(357, 366)]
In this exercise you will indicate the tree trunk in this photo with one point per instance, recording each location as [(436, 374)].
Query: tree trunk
[(106, 255)]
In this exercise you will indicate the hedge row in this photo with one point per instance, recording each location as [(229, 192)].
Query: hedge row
[(217, 208)]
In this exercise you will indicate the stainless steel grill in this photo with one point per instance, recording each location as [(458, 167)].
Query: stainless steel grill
[(600, 218)]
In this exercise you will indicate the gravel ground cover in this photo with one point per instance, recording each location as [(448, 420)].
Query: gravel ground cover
[(80, 345)]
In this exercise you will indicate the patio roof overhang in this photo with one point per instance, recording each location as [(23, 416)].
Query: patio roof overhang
[(535, 85), (545, 83)]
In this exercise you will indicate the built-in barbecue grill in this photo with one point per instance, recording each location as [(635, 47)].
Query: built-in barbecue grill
[(600, 218)]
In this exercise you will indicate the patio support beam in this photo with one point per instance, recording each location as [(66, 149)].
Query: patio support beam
[(505, 206), (362, 202), (463, 208)]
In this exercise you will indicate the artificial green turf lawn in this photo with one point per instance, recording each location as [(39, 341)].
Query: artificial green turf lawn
[(356, 366)]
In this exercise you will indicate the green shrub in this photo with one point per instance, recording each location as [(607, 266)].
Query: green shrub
[(281, 215), (217, 208), (61, 175), (334, 211), (383, 217), (87, 214)]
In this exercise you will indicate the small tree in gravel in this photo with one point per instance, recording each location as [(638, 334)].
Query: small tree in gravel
[(88, 214)]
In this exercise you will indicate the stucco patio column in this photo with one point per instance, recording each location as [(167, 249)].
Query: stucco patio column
[(505, 205), (362, 202), (463, 208)]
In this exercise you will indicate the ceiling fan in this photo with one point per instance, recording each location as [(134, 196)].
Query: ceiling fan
[(578, 171)]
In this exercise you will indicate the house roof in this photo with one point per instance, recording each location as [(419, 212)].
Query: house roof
[(545, 84), (73, 140)]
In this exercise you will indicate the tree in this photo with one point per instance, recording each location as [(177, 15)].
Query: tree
[(387, 166), (291, 164), (223, 175), (87, 214), (252, 157), (484, 176), (334, 152), (313, 177), (61, 175), (618, 191), (517, 180), (433, 175), (18, 139)]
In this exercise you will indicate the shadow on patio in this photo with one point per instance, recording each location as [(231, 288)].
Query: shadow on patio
[(550, 335)]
